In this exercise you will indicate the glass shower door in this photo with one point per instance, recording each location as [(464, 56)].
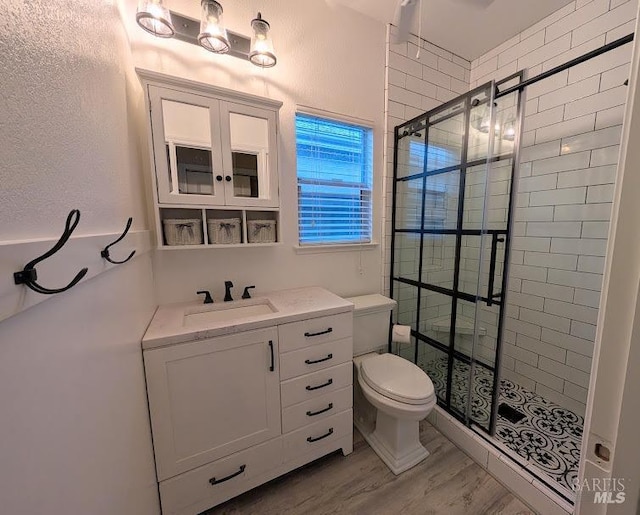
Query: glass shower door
[(450, 236), (495, 185)]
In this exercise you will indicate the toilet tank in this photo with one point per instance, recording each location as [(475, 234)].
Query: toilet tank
[(371, 316)]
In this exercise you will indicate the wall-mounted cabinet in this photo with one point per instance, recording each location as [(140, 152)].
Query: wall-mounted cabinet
[(215, 164)]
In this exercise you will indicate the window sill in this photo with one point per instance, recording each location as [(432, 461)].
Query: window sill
[(347, 247)]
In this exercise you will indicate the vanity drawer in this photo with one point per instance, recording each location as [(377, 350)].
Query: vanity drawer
[(318, 435), (316, 409), (315, 330), (316, 384), (315, 357), (192, 492)]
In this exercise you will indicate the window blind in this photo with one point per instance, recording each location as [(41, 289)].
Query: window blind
[(335, 179)]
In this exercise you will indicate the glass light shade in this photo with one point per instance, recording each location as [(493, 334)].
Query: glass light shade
[(480, 119), (155, 18), (509, 131), (262, 53), (213, 35)]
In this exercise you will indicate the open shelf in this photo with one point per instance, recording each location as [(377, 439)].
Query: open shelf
[(225, 246), (202, 227)]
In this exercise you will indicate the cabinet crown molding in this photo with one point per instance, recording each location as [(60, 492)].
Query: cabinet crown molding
[(161, 79)]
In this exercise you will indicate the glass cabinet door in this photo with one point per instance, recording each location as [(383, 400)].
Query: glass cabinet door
[(248, 137), (187, 147)]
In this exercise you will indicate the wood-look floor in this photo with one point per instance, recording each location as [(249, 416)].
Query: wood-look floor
[(448, 482)]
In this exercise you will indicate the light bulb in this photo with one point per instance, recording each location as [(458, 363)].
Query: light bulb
[(509, 132), (213, 35), (155, 18)]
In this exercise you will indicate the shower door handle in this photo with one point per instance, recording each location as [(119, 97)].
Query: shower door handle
[(495, 239)]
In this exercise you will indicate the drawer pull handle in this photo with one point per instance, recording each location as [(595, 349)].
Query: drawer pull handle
[(214, 481), (314, 361), (328, 433), (330, 381), (314, 413), (309, 335), (273, 363)]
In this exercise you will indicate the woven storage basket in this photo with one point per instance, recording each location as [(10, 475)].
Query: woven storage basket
[(224, 231), (261, 231), (185, 231)]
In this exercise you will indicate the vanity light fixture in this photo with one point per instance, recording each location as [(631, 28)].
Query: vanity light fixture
[(209, 32), (155, 18), (213, 35), (262, 53)]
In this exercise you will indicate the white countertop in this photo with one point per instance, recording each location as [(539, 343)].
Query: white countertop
[(167, 325)]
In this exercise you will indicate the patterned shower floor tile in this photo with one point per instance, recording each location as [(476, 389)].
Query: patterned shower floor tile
[(548, 436)]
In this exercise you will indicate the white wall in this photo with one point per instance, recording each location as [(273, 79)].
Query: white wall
[(75, 435), (568, 164), (329, 58)]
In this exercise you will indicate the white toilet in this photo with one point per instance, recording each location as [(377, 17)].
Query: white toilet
[(393, 390)]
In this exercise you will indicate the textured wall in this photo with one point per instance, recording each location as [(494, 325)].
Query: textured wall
[(75, 434), (329, 58), (64, 125), (570, 143)]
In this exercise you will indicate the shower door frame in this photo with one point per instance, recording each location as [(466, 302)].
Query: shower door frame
[(459, 232)]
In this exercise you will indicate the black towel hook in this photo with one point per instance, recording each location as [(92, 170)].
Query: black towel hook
[(105, 252), (29, 275)]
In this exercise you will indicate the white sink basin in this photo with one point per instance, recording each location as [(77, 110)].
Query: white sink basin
[(222, 313)]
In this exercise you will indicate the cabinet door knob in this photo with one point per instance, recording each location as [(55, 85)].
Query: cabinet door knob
[(228, 178), (219, 178)]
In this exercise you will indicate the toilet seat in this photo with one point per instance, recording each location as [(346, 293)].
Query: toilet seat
[(397, 379)]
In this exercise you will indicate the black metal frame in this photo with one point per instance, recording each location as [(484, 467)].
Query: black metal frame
[(515, 162), (420, 123), (573, 62)]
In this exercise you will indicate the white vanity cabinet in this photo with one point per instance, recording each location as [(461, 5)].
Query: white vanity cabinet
[(233, 411), (317, 397), (212, 397)]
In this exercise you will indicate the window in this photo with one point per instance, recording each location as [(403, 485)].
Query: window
[(335, 178)]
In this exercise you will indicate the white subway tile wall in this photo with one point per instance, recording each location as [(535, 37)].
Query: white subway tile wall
[(415, 85), (569, 158)]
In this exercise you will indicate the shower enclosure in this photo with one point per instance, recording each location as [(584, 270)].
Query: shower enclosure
[(453, 225), (453, 190)]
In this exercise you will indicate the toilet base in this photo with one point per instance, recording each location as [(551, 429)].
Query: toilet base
[(396, 442)]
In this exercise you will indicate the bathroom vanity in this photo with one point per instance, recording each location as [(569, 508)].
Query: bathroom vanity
[(243, 392)]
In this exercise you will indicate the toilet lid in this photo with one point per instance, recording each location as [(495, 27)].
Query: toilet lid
[(397, 378)]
